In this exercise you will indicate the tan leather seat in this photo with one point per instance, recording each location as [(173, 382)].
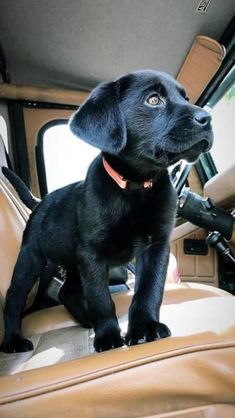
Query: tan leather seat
[(189, 374)]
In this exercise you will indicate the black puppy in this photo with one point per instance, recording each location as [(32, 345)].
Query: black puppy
[(125, 208)]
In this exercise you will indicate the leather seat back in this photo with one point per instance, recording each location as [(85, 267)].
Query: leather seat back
[(12, 226), (13, 217), (3, 155)]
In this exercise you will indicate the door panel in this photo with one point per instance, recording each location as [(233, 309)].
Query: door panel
[(194, 268)]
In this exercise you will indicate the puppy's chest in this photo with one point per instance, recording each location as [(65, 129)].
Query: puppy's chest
[(122, 235)]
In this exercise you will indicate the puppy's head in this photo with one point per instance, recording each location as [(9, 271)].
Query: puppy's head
[(146, 118)]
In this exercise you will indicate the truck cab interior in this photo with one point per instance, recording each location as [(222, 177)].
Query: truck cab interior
[(52, 54)]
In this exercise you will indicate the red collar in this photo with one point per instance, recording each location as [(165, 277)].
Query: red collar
[(126, 184)]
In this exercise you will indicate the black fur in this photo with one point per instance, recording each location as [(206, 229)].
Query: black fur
[(92, 225)]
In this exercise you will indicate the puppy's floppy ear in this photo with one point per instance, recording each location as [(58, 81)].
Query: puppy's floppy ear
[(100, 121)]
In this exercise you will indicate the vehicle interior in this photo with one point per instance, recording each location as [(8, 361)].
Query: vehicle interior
[(52, 54)]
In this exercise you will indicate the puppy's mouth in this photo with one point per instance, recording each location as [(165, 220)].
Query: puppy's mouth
[(190, 154), (193, 153)]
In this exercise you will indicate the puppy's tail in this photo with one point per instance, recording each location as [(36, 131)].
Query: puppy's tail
[(22, 190)]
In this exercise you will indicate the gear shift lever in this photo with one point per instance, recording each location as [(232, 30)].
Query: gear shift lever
[(215, 240)]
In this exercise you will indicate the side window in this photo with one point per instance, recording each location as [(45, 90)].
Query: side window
[(61, 157), (222, 107)]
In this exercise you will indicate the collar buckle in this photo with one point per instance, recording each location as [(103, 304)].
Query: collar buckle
[(126, 184)]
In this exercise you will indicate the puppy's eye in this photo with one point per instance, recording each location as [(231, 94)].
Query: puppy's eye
[(153, 100)]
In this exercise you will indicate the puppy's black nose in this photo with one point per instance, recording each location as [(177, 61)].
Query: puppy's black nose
[(202, 118)]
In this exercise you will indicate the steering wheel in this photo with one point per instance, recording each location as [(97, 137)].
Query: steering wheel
[(179, 175)]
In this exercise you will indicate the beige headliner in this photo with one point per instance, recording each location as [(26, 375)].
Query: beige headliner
[(78, 43)]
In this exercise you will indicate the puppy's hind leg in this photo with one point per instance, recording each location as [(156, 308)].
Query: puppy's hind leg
[(73, 298), (28, 268)]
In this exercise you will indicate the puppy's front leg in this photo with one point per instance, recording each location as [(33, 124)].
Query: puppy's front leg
[(94, 276), (151, 268)]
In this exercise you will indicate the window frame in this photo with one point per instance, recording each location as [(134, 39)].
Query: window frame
[(40, 162), (205, 166)]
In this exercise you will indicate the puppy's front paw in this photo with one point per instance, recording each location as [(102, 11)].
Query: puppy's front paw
[(17, 345), (107, 338), (147, 332)]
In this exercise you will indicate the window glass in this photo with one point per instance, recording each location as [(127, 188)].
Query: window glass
[(222, 106), (66, 158)]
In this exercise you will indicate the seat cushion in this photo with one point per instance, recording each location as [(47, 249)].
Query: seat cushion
[(188, 309), (191, 369)]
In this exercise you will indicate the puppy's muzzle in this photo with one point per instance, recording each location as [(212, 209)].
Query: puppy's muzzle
[(202, 121), (202, 118)]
